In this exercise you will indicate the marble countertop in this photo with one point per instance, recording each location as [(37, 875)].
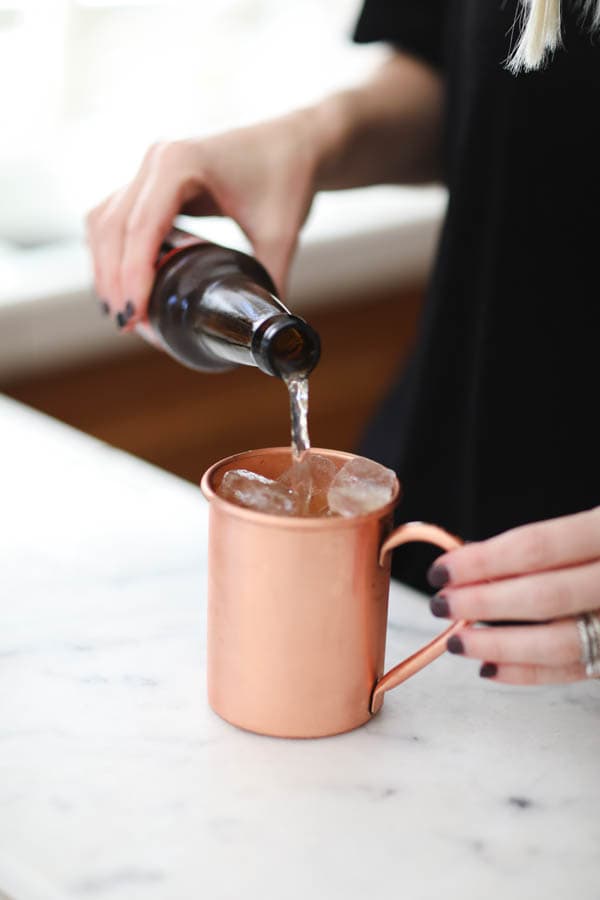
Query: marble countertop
[(354, 243), (117, 781)]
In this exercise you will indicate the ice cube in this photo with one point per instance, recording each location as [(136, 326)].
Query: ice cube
[(257, 492), (309, 480), (360, 486)]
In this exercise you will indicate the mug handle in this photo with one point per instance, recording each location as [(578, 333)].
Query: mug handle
[(431, 534)]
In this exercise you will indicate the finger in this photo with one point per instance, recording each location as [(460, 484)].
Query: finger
[(170, 184), (529, 548), (275, 247), (274, 231), (91, 232), (106, 250), (537, 598), (518, 674), (109, 236), (554, 644)]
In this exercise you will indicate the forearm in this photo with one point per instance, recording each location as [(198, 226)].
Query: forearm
[(386, 131)]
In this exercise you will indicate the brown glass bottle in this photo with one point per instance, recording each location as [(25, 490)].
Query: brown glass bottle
[(212, 308)]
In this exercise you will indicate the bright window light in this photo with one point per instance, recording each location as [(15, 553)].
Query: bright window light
[(89, 84)]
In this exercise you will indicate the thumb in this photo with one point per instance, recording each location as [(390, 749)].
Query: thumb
[(275, 250)]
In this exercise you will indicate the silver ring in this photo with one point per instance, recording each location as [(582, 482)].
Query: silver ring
[(588, 629)]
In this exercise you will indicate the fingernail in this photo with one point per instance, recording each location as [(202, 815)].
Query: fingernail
[(439, 607), (129, 310), (455, 645), (121, 319), (488, 670), (438, 576), (104, 307)]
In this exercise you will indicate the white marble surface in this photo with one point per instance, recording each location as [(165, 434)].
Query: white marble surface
[(117, 781)]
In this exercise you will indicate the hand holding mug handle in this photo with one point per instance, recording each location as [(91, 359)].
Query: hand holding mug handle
[(431, 534)]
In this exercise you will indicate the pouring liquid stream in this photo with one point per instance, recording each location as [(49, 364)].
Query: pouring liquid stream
[(313, 485), (298, 391), (297, 386)]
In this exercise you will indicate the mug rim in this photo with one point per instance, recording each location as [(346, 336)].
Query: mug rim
[(303, 522)]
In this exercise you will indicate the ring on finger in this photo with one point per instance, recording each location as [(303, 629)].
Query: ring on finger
[(588, 629)]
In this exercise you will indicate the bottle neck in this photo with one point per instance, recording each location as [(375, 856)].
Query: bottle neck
[(232, 312), (245, 324)]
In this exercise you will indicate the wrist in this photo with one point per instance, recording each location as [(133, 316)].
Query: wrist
[(328, 126)]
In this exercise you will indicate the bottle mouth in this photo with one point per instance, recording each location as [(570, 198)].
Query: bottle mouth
[(286, 345)]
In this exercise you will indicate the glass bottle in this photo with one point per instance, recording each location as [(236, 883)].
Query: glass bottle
[(212, 308)]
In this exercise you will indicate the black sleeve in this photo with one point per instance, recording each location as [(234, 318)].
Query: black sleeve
[(416, 26)]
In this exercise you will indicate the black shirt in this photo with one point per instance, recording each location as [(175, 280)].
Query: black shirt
[(495, 422)]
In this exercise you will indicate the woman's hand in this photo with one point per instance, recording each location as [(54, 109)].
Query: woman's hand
[(262, 176), (544, 575), (265, 177)]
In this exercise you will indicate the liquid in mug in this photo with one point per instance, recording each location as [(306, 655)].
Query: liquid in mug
[(313, 485)]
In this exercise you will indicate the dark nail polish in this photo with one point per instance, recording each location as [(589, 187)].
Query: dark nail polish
[(121, 320), (438, 576), (455, 645), (129, 310), (439, 607), (488, 670), (104, 307)]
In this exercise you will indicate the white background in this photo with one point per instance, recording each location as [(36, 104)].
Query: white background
[(88, 84)]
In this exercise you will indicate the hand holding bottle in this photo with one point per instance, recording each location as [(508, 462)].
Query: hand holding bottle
[(261, 176), (265, 176)]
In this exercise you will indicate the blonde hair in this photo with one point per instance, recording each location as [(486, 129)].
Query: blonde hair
[(539, 24)]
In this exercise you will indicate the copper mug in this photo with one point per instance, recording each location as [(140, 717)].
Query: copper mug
[(297, 610)]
